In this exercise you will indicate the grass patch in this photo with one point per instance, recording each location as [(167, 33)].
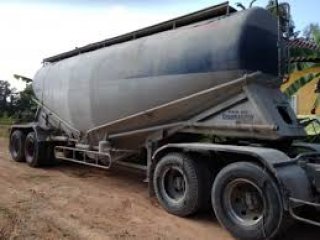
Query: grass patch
[(4, 131), (5, 120)]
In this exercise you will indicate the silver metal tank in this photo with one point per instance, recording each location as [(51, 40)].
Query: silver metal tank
[(115, 82)]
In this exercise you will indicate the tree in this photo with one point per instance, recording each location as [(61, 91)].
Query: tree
[(5, 93), (17, 105), (24, 106), (312, 33)]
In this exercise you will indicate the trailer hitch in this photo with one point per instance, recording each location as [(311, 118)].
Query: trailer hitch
[(294, 201)]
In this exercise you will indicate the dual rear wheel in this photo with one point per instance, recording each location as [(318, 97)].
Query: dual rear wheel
[(244, 197), (26, 148)]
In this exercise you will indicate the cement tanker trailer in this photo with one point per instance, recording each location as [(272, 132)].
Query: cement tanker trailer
[(195, 103)]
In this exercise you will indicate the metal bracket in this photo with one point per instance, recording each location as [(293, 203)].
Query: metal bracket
[(294, 201), (60, 153), (81, 156)]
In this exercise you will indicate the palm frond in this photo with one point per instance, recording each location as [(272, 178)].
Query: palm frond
[(299, 83)]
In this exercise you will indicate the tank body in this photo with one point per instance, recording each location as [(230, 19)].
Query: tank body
[(115, 82)]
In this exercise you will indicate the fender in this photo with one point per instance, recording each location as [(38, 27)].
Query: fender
[(42, 135), (290, 177)]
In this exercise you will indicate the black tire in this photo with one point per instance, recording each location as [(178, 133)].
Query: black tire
[(263, 219), (16, 146), (181, 200), (35, 151)]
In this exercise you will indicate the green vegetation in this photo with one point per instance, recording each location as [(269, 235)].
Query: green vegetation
[(4, 131), (312, 127), (16, 106), (5, 122), (311, 34)]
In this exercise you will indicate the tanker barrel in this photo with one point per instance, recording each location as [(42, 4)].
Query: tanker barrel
[(108, 83)]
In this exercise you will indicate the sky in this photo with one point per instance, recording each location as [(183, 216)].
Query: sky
[(32, 30)]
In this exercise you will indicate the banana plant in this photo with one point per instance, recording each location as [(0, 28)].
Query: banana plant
[(305, 59)]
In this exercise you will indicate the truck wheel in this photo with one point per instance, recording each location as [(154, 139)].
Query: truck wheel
[(16, 146), (34, 151), (247, 202), (177, 184)]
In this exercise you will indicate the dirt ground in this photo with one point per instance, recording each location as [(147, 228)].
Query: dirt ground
[(75, 202)]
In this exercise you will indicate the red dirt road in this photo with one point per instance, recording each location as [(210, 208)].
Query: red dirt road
[(75, 202)]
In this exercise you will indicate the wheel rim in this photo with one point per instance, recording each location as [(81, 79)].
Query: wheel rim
[(30, 148), (174, 183), (244, 202)]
